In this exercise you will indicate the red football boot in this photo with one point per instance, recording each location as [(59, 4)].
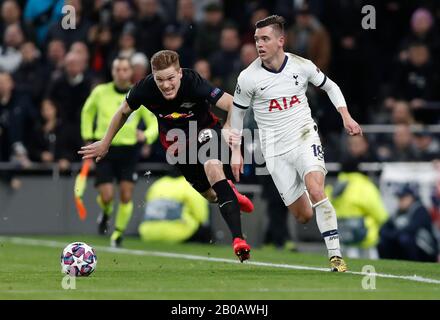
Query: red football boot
[(245, 203), (241, 249)]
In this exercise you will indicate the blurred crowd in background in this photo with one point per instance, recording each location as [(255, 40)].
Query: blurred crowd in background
[(389, 75)]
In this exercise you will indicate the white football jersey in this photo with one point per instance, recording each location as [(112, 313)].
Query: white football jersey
[(279, 100)]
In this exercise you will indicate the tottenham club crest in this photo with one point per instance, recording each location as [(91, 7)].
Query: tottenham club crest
[(238, 89), (295, 77)]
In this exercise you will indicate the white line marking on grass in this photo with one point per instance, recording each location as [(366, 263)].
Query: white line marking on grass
[(201, 290), (57, 244)]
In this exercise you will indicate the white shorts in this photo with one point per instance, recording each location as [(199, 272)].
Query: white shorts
[(289, 169)]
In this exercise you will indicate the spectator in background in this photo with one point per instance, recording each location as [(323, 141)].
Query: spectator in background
[(203, 67), (45, 133), (200, 6), (12, 114), (175, 212), (358, 203), (98, 11), (173, 40), (258, 14), (309, 39), (226, 60), (351, 61), (358, 150), (82, 50), (100, 37), (69, 90), (40, 14), (126, 47), (316, 7), (209, 31), (11, 14), (416, 80), (30, 74), (402, 114), (149, 27), (422, 30), (13, 109), (141, 66), (427, 147), (56, 52), (401, 148), (186, 18), (121, 19), (408, 235), (248, 54), (10, 55)]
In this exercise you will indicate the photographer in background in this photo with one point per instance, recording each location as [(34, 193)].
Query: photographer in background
[(409, 234)]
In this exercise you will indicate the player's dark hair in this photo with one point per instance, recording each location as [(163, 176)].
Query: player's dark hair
[(164, 59), (275, 21)]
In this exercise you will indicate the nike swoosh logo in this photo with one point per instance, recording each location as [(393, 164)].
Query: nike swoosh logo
[(221, 205), (264, 88)]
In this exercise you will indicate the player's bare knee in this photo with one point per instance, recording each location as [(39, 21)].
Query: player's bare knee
[(213, 165), (214, 170)]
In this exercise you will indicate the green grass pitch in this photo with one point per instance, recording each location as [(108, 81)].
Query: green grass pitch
[(32, 271)]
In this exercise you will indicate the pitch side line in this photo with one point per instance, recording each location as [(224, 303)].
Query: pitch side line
[(57, 244)]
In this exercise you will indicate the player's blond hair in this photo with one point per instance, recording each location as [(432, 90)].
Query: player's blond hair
[(164, 59)]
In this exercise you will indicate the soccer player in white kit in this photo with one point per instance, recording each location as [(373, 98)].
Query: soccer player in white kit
[(275, 85)]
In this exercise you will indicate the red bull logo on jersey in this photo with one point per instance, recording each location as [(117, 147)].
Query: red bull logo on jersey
[(178, 115), (284, 104)]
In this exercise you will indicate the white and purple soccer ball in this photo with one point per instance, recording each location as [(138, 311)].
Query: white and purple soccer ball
[(78, 259)]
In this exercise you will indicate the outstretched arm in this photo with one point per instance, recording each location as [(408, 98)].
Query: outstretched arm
[(99, 149), (350, 125), (337, 98)]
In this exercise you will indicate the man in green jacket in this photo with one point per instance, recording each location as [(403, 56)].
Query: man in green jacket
[(120, 164), (360, 211), (175, 212)]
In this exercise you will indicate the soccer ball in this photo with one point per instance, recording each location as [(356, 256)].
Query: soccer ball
[(78, 259)]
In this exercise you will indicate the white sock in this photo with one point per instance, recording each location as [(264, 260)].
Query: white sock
[(328, 226)]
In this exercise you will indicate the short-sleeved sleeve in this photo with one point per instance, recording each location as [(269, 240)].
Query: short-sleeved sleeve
[(137, 95), (203, 89), (244, 92), (314, 75)]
